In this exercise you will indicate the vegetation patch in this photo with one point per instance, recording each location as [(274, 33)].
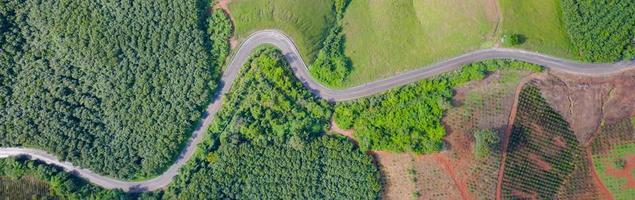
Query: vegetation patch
[(384, 37), (306, 21), (409, 118), (486, 143), (601, 31), (331, 66), (539, 25), (268, 142), (26, 179)]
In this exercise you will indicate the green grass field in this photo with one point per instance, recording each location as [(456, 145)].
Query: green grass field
[(539, 21), (612, 183), (306, 21), (385, 37)]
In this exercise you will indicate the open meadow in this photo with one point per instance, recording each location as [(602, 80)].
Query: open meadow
[(539, 22), (385, 37)]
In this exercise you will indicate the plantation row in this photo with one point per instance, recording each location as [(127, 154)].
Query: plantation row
[(114, 86), (409, 118), (542, 144), (601, 31)]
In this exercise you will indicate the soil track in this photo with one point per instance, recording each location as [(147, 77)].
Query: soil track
[(443, 160)]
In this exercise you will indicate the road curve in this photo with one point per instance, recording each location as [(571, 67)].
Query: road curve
[(288, 48)]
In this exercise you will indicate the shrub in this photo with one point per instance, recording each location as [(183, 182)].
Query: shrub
[(486, 143), (511, 39)]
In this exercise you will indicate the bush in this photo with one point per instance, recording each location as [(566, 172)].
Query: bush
[(409, 118), (620, 163), (511, 39), (486, 143)]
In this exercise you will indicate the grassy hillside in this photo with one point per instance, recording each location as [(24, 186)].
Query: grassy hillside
[(540, 24), (384, 37), (306, 21)]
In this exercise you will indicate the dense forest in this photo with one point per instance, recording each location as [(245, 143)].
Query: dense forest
[(331, 66), (601, 30), (114, 86), (61, 185), (268, 142), (408, 119)]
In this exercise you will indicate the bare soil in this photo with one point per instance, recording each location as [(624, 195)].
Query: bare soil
[(543, 165), (395, 169), (524, 195), (436, 179), (587, 102)]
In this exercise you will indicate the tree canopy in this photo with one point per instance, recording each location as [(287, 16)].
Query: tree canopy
[(267, 142), (601, 30), (114, 86), (409, 118)]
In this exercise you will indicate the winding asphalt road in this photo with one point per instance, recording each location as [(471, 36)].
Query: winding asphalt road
[(288, 48)]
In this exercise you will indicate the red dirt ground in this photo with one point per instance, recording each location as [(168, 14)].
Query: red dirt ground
[(558, 142), (624, 173), (461, 185), (604, 192), (348, 133), (545, 166), (524, 195), (588, 102)]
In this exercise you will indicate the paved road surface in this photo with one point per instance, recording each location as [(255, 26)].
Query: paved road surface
[(288, 48)]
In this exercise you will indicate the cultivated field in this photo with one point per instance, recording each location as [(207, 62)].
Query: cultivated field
[(539, 22), (306, 21), (384, 37)]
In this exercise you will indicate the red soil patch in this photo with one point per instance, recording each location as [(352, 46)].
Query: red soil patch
[(588, 102), (347, 133), (524, 195), (623, 173), (604, 192), (461, 185), (543, 165), (558, 142), (397, 179)]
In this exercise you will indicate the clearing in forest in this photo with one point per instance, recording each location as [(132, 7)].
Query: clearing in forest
[(384, 37), (539, 23), (306, 21)]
